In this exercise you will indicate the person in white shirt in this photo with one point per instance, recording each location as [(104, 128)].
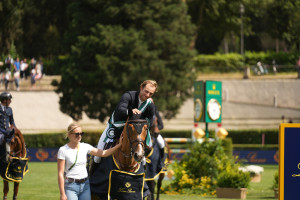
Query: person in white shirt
[(71, 163)]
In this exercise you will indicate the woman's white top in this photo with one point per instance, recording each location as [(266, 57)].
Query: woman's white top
[(69, 155)]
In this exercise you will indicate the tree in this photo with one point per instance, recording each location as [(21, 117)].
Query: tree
[(130, 41), (10, 27)]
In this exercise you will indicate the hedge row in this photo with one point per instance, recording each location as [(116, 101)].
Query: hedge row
[(234, 62), (250, 137)]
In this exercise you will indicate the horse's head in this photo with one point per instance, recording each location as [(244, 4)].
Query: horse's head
[(134, 135), (16, 147)]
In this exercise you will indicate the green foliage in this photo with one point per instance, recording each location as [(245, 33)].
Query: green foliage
[(234, 179), (253, 136), (227, 145), (275, 181), (124, 44), (281, 58), (252, 141), (232, 62), (198, 171), (57, 140)]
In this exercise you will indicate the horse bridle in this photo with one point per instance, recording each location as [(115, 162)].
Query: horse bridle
[(138, 125), (13, 153)]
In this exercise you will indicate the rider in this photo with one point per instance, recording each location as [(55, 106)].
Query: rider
[(132, 102), (6, 118)]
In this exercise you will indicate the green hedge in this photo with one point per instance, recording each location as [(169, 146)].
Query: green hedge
[(56, 140), (253, 136), (238, 137), (234, 62)]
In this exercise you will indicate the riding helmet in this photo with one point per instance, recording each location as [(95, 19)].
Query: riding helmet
[(4, 96)]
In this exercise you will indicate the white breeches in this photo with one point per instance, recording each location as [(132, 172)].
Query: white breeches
[(160, 141)]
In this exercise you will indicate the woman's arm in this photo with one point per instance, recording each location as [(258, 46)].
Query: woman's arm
[(108, 152), (61, 183)]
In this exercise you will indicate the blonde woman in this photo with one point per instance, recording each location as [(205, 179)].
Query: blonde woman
[(71, 163)]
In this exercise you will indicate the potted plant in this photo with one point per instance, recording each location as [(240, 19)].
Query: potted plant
[(255, 172), (275, 185), (233, 184)]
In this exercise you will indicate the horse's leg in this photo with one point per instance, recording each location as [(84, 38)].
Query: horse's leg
[(151, 185), (159, 181), (94, 197), (5, 189), (16, 189)]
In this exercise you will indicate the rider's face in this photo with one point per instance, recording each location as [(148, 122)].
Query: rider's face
[(6, 102), (146, 92)]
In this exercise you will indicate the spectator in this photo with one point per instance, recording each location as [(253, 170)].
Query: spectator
[(38, 69), (28, 70), (290, 120), (23, 67), (8, 62), (7, 78), (17, 73), (32, 72), (283, 119), (260, 68), (274, 66)]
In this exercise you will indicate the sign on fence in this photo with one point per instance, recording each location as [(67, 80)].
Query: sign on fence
[(289, 161), (246, 156)]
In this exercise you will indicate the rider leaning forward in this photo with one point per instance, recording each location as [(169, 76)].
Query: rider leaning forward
[(132, 102), (6, 118)]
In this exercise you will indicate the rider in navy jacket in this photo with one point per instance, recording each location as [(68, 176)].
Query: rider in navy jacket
[(6, 118), (128, 102), (132, 102)]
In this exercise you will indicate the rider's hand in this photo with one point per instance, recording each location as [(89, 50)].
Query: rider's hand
[(136, 111)]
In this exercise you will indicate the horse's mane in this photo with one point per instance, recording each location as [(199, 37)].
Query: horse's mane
[(21, 142)]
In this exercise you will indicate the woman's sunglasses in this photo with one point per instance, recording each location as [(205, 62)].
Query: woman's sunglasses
[(77, 134)]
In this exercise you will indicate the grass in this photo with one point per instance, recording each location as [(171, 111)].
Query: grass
[(41, 183)]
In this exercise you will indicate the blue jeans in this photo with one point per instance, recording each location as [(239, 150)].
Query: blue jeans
[(78, 191)]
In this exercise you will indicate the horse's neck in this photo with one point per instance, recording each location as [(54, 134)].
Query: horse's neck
[(20, 146)]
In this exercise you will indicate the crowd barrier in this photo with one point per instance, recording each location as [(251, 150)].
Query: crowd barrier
[(245, 156)]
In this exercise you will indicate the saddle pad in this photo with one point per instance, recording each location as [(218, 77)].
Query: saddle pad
[(15, 169), (125, 185)]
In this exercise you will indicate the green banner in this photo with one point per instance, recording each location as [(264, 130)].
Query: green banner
[(213, 101), (199, 101)]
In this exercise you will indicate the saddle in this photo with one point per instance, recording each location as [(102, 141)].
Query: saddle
[(14, 169)]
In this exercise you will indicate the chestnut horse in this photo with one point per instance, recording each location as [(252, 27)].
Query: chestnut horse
[(14, 150), (156, 158), (127, 158), (132, 151)]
